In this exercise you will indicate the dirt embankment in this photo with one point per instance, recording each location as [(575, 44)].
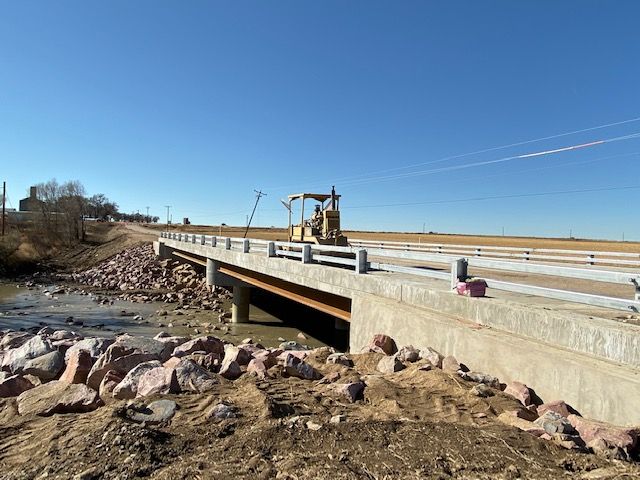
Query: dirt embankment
[(23, 252), (292, 420)]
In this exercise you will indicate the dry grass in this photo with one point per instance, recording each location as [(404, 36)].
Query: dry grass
[(530, 242)]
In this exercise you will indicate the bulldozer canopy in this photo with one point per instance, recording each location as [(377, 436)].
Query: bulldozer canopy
[(320, 197)]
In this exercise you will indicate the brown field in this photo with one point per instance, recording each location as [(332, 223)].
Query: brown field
[(457, 239)]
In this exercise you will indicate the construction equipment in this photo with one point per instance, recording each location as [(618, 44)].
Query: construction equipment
[(323, 227)]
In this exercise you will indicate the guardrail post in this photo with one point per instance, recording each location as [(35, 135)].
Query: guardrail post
[(271, 249), (214, 240), (179, 237), (478, 252), (245, 245), (306, 254), (458, 271), (227, 243), (526, 255), (193, 238), (361, 261), (203, 239), (636, 283), (590, 259), (439, 248)]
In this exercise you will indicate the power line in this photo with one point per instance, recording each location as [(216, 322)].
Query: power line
[(496, 197), (491, 149), (546, 167), (490, 162)]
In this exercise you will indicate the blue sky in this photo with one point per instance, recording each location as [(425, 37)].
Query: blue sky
[(196, 104)]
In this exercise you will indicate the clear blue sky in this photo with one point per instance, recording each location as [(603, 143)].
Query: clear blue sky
[(196, 104)]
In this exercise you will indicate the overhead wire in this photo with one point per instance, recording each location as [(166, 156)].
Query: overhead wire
[(490, 162), (496, 197), (546, 167), (477, 152)]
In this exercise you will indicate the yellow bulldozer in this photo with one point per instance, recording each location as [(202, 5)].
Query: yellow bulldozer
[(323, 226)]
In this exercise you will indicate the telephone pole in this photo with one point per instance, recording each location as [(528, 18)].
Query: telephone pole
[(147, 214), (168, 221), (4, 196), (259, 195)]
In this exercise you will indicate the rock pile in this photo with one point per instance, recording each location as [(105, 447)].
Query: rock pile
[(140, 276), (555, 421), (55, 372), (60, 372)]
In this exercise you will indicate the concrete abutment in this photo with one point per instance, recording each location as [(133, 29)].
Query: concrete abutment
[(597, 388), (591, 362)]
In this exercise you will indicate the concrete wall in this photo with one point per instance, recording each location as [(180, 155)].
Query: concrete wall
[(518, 314), (597, 388), (592, 363)]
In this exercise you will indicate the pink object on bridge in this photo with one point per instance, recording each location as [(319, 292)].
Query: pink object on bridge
[(475, 288)]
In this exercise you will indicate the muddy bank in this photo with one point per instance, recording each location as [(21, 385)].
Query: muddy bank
[(202, 408)]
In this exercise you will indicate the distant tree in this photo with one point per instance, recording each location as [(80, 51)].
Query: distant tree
[(101, 207)]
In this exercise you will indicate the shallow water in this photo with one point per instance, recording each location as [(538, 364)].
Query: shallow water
[(27, 307), (22, 307)]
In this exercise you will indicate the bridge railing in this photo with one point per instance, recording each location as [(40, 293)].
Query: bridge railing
[(585, 257), (362, 260)]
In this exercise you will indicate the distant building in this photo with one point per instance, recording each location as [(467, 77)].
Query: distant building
[(31, 203)]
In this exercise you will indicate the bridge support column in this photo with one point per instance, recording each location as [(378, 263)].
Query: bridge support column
[(240, 305), (163, 251), (215, 278), (211, 273)]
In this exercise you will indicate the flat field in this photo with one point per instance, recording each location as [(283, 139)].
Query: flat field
[(455, 239)]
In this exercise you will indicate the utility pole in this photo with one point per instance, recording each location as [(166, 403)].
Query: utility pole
[(168, 221), (259, 195), (4, 196), (147, 214)]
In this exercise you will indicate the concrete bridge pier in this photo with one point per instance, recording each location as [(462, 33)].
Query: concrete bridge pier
[(215, 278), (162, 250), (241, 291), (240, 303)]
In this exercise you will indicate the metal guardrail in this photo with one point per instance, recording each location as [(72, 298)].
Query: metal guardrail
[(359, 259), (587, 257)]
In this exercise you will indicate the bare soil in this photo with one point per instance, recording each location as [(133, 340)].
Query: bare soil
[(411, 424)]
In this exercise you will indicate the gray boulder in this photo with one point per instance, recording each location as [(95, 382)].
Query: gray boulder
[(95, 347), (16, 358), (160, 411), (193, 378), (45, 367)]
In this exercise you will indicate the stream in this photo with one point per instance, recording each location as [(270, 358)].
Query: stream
[(23, 308)]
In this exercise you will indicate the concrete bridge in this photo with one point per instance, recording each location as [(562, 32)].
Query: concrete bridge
[(539, 338)]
